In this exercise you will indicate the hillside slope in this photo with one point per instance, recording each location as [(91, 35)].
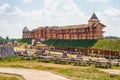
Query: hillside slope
[(71, 43), (113, 44)]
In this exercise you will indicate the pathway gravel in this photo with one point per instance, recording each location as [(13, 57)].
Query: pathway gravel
[(30, 74)]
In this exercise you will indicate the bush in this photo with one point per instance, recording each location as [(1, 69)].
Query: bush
[(25, 40)]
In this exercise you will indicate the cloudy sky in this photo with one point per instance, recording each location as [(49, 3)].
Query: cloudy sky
[(15, 14)]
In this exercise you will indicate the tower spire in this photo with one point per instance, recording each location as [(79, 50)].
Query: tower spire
[(93, 20), (94, 16)]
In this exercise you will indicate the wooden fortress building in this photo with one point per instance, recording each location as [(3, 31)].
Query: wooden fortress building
[(92, 30)]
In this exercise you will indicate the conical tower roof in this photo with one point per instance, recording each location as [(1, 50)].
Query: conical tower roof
[(94, 16), (25, 29)]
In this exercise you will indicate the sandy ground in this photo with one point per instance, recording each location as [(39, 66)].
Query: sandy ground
[(30, 74)]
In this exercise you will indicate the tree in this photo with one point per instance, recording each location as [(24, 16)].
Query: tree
[(2, 39), (7, 38)]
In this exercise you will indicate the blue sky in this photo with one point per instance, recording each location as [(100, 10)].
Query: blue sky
[(15, 14)]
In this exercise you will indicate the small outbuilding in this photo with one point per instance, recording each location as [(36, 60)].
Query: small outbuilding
[(6, 51)]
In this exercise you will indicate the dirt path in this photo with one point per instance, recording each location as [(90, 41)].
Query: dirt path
[(111, 71), (30, 74)]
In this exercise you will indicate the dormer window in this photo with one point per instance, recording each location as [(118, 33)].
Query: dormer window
[(94, 25)]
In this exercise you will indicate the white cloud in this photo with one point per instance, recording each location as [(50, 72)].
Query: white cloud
[(97, 0), (54, 12), (51, 4), (17, 11), (11, 30), (3, 23), (27, 1), (4, 7), (112, 12), (65, 12), (111, 18), (20, 12)]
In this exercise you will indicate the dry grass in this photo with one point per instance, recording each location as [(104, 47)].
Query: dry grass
[(86, 72), (4, 76)]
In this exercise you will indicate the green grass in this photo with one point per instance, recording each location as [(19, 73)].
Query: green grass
[(8, 59), (71, 43), (10, 77), (89, 73), (85, 72), (112, 44), (25, 40)]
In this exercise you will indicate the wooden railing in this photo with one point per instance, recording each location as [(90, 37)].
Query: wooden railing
[(93, 52)]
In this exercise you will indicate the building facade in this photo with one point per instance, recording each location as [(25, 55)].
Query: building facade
[(92, 30)]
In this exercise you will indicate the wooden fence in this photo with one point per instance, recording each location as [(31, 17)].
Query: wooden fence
[(93, 52)]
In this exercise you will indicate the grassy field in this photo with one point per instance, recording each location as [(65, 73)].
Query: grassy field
[(9, 77), (85, 72)]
